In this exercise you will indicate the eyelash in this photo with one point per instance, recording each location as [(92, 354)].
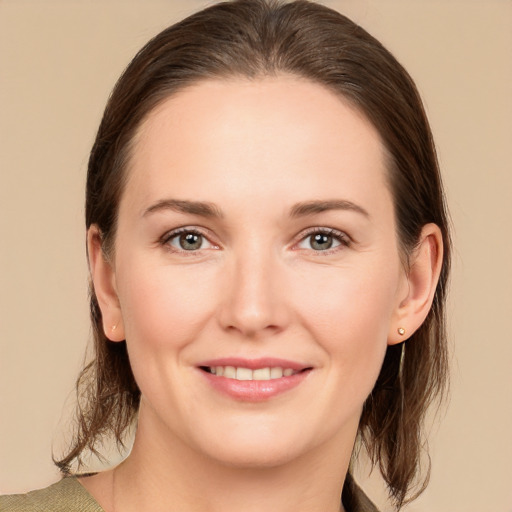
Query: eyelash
[(170, 235), (341, 237)]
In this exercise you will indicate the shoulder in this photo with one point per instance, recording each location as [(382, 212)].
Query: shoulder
[(68, 495)]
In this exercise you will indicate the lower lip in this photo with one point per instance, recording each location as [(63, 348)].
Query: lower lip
[(255, 390)]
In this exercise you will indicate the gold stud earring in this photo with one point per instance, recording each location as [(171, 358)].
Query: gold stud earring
[(401, 331)]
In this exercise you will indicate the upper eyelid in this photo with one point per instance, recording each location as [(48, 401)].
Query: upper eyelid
[(185, 229), (324, 230)]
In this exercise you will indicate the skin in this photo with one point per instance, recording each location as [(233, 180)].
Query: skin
[(256, 287)]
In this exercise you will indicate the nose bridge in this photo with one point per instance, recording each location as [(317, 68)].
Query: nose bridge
[(254, 303)]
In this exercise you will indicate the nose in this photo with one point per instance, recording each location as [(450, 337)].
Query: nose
[(254, 295)]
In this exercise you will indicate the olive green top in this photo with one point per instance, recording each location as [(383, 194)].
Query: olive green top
[(69, 495)]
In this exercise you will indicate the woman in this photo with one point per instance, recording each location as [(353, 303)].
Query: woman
[(269, 250)]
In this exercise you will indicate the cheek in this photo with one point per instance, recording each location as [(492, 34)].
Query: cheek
[(164, 311), (349, 300), (350, 315), (162, 305)]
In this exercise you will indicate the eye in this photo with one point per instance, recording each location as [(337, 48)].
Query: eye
[(187, 240), (323, 240)]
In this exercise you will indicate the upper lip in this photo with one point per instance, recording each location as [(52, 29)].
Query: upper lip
[(255, 364)]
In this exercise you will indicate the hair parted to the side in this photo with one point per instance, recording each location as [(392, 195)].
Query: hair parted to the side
[(254, 38)]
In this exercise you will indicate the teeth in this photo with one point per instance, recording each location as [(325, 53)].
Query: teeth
[(230, 372), (261, 374), (243, 374), (276, 373), (240, 373)]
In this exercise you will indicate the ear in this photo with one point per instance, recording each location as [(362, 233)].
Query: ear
[(421, 278), (104, 282)]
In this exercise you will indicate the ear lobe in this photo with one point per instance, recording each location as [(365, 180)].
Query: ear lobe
[(424, 269), (103, 278)]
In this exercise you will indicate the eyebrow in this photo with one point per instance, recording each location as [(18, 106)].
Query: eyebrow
[(313, 207), (210, 210), (202, 208)]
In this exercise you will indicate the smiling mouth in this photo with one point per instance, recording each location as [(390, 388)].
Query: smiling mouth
[(261, 374)]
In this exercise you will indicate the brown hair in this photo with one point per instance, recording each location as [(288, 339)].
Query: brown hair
[(253, 38)]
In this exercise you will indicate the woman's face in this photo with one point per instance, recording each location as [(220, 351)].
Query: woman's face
[(256, 240)]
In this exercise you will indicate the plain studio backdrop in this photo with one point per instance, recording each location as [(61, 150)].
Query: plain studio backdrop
[(58, 63)]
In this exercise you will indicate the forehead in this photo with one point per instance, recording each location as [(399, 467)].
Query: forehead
[(275, 135)]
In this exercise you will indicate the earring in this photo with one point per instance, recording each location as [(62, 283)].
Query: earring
[(114, 327), (401, 331)]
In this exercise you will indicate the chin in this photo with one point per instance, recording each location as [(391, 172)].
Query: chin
[(269, 446), (256, 456)]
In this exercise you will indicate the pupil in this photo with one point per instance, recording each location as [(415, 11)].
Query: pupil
[(321, 241), (190, 241)]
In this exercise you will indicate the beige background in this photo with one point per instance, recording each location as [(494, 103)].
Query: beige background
[(58, 62)]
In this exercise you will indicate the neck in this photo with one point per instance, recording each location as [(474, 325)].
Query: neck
[(164, 474)]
